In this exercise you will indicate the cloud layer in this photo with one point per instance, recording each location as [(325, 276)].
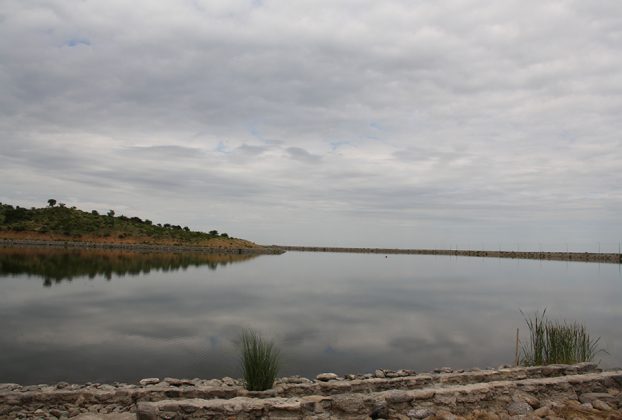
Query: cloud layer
[(336, 123)]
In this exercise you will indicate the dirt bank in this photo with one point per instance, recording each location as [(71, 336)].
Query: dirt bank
[(212, 249)]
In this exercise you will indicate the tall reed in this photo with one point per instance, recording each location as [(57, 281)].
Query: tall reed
[(553, 342), (260, 361)]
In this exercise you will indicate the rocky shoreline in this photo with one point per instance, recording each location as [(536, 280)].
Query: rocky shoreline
[(28, 243), (531, 255), (553, 392)]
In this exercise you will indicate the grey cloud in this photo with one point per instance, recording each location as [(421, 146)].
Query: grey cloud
[(301, 155), (248, 150), (486, 111), (164, 152)]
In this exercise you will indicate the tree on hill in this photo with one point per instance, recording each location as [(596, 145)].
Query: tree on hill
[(51, 202)]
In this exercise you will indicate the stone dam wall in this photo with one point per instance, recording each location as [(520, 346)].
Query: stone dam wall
[(555, 391), (532, 255)]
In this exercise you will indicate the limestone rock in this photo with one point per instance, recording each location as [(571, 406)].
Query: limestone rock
[(519, 396), (447, 415), (325, 377), (396, 396), (543, 412), (9, 387), (406, 372), (179, 382), (294, 380), (58, 413), (519, 408), (591, 396), (149, 381), (229, 381), (379, 373), (420, 413), (601, 405)]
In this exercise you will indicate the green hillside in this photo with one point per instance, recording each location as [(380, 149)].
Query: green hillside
[(56, 221)]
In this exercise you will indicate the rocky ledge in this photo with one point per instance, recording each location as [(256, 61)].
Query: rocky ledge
[(555, 391)]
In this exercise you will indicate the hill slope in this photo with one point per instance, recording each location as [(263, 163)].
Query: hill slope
[(57, 222)]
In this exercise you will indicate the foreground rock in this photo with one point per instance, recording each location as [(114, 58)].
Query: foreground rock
[(560, 391)]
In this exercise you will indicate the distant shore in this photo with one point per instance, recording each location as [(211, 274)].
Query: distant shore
[(611, 258), (137, 247), (531, 255)]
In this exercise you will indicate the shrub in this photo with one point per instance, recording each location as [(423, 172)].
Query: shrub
[(260, 361), (553, 342)]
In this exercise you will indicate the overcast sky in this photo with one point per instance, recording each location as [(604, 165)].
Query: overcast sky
[(357, 123)]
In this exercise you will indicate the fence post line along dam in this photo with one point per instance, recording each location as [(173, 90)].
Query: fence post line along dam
[(615, 258)]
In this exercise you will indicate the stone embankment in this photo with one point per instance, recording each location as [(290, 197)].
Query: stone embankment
[(553, 392), (532, 255), (138, 247)]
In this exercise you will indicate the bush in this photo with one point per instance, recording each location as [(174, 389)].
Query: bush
[(260, 361), (552, 342)]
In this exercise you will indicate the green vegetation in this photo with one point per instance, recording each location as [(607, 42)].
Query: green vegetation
[(260, 361), (57, 220), (553, 342)]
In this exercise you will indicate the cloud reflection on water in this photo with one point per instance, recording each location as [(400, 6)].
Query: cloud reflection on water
[(328, 312)]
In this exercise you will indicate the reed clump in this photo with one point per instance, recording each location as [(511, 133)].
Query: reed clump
[(260, 361), (554, 342)]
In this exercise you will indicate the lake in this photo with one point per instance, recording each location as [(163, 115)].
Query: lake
[(105, 316)]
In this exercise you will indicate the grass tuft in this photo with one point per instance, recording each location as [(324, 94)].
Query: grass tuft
[(552, 342), (260, 361)]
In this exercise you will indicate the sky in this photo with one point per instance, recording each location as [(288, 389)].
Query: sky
[(443, 124)]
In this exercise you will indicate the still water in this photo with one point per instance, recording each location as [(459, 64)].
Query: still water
[(104, 316)]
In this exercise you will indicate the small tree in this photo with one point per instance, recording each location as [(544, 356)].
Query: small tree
[(111, 213), (51, 202)]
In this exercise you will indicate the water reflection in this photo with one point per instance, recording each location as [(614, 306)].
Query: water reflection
[(327, 312), (55, 265)]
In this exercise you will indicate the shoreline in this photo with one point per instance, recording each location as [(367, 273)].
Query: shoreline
[(541, 391), (609, 258), (613, 258), (34, 243)]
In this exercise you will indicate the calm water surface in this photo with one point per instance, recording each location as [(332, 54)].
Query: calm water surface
[(100, 316)]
